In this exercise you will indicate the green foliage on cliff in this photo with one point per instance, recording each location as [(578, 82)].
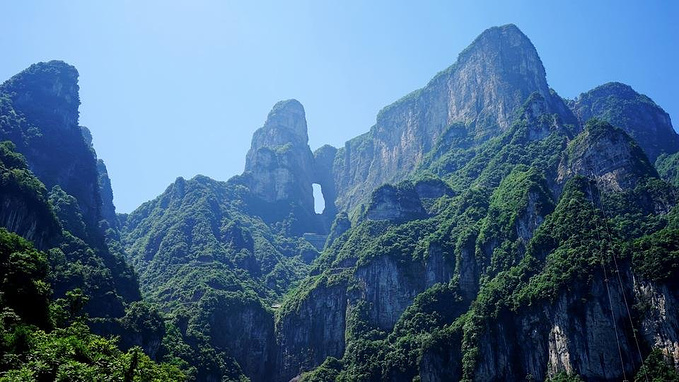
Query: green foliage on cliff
[(482, 244), (74, 354), (34, 345), (529, 245), (212, 266), (533, 140), (656, 368), (668, 167), (656, 256), (640, 117), (46, 295)]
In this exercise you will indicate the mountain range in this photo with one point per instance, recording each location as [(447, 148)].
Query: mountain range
[(484, 229)]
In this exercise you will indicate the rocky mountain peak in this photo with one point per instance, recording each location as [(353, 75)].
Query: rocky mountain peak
[(507, 50), (46, 98), (48, 91), (635, 113), (499, 70), (285, 124), (476, 98), (280, 166)]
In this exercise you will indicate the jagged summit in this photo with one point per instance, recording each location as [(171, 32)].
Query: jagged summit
[(288, 115), (280, 168)]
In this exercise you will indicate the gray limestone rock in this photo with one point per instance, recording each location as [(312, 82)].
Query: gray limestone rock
[(479, 94), (608, 155)]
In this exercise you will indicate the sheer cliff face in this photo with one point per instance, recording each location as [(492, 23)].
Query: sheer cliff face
[(280, 163), (481, 91), (635, 113), (46, 96), (39, 114)]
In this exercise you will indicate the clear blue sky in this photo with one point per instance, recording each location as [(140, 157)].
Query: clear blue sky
[(176, 88)]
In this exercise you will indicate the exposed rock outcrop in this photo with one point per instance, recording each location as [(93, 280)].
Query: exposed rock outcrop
[(659, 324), (279, 159), (571, 336), (108, 209), (608, 155), (324, 158), (246, 331), (281, 169), (395, 203), (389, 287), (314, 331), (478, 94)]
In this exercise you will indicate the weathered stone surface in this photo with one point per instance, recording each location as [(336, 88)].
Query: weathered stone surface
[(279, 159), (389, 287), (395, 203), (481, 92), (324, 159), (313, 332), (660, 324), (281, 169), (247, 331), (108, 209), (608, 155), (572, 335)]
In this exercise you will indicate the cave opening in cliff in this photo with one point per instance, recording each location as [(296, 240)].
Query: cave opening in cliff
[(319, 201)]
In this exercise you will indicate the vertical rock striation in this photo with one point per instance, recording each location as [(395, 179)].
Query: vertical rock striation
[(479, 94)]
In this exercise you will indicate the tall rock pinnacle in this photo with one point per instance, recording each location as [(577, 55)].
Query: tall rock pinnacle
[(494, 76), (47, 93), (280, 165), (286, 124)]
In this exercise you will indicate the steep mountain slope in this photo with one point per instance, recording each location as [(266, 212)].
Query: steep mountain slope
[(494, 245), (77, 281), (280, 170), (43, 338), (45, 100), (475, 98), (40, 116), (204, 256)]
